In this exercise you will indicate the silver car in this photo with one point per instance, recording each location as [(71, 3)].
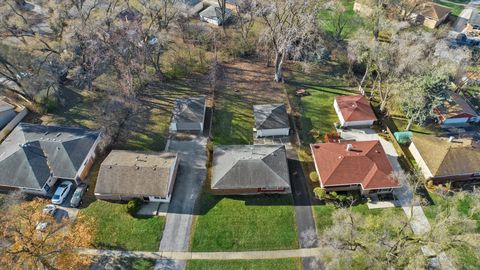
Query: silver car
[(62, 192), (76, 200)]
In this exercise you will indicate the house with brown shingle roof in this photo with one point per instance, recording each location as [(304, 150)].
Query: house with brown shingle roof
[(446, 159), (354, 165), (431, 14), (125, 175), (455, 111), (354, 111)]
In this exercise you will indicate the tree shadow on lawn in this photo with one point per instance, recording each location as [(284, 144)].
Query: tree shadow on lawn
[(115, 262), (209, 200)]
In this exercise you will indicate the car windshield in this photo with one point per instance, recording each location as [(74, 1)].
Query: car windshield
[(56, 196), (59, 191), (76, 194)]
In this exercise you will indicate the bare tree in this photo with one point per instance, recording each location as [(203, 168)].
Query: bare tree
[(290, 28)]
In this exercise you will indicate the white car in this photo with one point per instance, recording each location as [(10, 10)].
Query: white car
[(62, 192)]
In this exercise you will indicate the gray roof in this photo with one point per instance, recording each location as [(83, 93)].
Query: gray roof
[(191, 3), (250, 166), (136, 173), (4, 106), (31, 153), (213, 12), (270, 116), (189, 110)]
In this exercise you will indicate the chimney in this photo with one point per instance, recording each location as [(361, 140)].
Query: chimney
[(349, 147), (451, 138)]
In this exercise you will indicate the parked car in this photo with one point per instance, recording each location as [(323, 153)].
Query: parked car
[(41, 226), (76, 200), (62, 192), (50, 209)]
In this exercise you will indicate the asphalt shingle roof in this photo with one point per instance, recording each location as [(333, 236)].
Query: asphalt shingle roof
[(4, 106), (270, 116), (250, 166), (189, 110), (444, 158), (31, 153), (136, 173), (355, 108)]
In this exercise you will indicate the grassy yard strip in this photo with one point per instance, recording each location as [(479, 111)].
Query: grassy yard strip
[(233, 121), (278, 264), (316, 110), (117, 229), (241, 223), (456, 8)]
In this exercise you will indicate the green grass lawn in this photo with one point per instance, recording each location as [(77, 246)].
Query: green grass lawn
[(316, 111), (233, 121), (328, 20), (239, 223), (279, 264), (323, 214), (465, 258), (401, 124), (456, 8), (117, 229)]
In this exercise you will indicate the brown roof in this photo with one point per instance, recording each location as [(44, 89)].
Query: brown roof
[(453, 107), (136, 173), (365, 164), (434, 11), (355, 108), (444, 158)]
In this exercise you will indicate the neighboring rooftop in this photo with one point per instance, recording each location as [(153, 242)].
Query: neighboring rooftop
[(434, 11), (5, 106), (31, 153), (455, 106), (270, 116), (365, 163), (444, 158), (250, 166), (355, 108), (214, 12), (136, 173), (189, 110)]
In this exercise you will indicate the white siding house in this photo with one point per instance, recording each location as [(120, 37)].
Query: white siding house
[(271, 120), (188, 114)]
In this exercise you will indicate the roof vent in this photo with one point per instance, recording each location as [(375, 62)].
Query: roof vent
[(138, 168), (58, 134), (451, 138), (349, 147), (46, 133), (316, 146)]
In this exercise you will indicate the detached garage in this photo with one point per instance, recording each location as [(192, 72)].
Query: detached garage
[(271, 120), (188, 114), (354, 111)]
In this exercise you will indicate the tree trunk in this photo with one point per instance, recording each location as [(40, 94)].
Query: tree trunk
[(278, 66), (409, 125), (360, 85)]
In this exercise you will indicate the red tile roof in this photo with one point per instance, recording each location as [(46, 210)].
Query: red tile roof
[(355, 108), (365, 164)]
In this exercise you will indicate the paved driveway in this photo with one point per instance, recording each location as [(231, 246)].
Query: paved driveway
[(188, 185)]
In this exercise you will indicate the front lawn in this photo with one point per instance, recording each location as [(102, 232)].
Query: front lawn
[(117, 229), (278, 264), (316, 110), (239, 223)]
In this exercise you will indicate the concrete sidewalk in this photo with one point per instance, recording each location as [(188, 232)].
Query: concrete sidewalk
[(183, 256)]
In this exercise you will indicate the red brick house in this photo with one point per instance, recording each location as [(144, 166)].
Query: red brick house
[(354, 165)]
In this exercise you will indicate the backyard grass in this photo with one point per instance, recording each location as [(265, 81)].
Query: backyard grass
[(401, 123), (456, 8), (117, 229), (316, 110), (328, 21), (244, 84), (239, 223), (279, 264)]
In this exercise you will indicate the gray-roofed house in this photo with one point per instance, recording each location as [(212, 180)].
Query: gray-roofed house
[(250, 169), (126, 175), (7, 113), (188, 114), (271, 120), (446, 159), (213, 15), (33, 157)]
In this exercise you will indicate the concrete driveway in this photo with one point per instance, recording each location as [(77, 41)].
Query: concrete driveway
[(188, 186)]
